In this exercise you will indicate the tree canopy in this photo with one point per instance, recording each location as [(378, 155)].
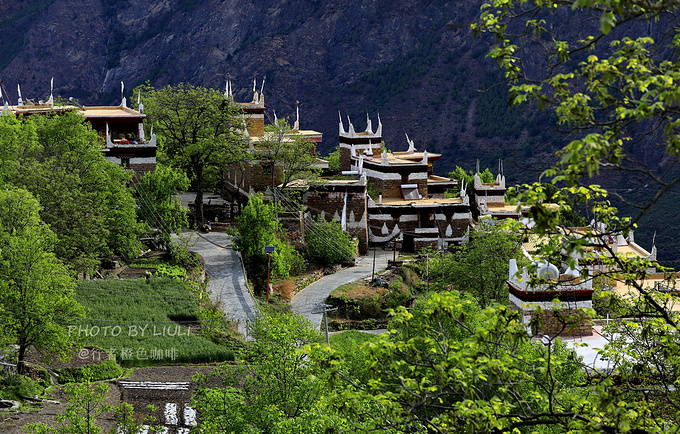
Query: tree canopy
[(199, 132), (291, 155), (84, 199), (449, 366), (610, 75), (258, 227), (480, 266), (278, 390), (36, 290), (157, 204)]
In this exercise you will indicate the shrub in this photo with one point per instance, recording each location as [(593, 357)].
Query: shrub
[(15, 386), (328, 244), (298, 264), (101, 371), (183, 257), (258, 227), (397, 295), (172, 271), (350, 346)]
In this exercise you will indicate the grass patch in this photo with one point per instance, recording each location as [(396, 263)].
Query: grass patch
[(144, 322), (101, 371), (362, 307), (350, 345), (16, 386), (350, 341), (351, 289), (357, 301)]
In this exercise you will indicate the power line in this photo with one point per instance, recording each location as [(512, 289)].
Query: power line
[(330, 242)]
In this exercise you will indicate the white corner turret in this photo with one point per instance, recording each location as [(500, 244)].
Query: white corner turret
[(341, 127), (411, 145)]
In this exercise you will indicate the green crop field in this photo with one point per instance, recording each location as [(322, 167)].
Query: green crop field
[(143, 322)]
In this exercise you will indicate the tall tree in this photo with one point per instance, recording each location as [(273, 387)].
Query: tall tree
[(85, 199), (278, 385), (480, 266), (199, 131), (616, 93), (291, 156), (36, 290), (612, 84), (447, 366), (157, 204), (258, 227)]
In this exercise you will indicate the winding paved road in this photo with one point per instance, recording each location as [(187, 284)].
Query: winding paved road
[(304, 301), (227, 283)]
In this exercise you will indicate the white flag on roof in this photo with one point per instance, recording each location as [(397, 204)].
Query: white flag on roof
[(343, 219)]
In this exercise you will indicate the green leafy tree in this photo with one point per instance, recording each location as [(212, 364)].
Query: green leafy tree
[(36, 290), (258, 227), (327, 243), (615, 94), (86, 403), (157, 204), (85, 199), (277, 388), (480, 266), (290, 155), (461, 175), (334, 159), (199, 133), (130, 422), (449, 366)]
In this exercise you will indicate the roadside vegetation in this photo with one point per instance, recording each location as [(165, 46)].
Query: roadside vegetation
[(323, 244)]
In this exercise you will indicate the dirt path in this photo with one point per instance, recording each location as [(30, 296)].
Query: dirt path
[(167, 388)]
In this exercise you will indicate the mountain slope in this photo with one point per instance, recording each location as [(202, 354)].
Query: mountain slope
[(414, 63)]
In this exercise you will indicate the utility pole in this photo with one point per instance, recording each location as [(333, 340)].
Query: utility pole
[(268, 250), (373, 272), (326, 308)]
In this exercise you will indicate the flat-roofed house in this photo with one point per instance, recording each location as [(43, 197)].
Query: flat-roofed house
[(120, 127), (410, 202)]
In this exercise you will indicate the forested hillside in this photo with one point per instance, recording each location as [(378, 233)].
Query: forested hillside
[(414, 63)]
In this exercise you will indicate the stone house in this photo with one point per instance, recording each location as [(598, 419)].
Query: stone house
[(406, 200), (120, 127), (260, 174), (552, 304)]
